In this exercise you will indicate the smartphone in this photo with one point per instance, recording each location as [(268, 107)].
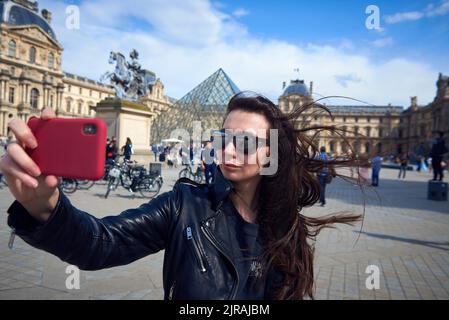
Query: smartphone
[(70, 148)]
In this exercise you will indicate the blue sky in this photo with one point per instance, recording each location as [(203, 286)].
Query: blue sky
[(259, 43), (328, 22)]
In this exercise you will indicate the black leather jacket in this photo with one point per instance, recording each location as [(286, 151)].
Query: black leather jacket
[(188, 222)]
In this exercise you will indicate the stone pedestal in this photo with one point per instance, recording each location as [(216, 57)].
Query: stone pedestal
[(128, 119)]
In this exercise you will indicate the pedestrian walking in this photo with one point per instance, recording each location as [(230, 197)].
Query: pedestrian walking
[(403, 164), (376, 165), (323, 175), (208, 162), (127, 149)]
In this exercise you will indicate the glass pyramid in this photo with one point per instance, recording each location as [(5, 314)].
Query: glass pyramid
[(207, 103)]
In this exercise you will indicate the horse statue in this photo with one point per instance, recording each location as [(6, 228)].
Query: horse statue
[(121, 77), (129, 80)]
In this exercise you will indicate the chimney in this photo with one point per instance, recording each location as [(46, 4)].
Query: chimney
[(311, 87), (414, 102), (46, 15), (283, 85)]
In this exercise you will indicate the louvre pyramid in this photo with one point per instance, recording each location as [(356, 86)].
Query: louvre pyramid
[(206, 103)]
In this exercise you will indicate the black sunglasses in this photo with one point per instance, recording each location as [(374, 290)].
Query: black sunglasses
[(246, 142)]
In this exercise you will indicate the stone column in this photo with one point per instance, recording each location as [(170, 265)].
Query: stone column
[(2, 117), (44, 97), (5, 123), (1, 90), (21, 93), (27, 93)]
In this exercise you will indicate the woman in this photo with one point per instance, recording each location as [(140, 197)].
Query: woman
[(127, 149), (238, 238)]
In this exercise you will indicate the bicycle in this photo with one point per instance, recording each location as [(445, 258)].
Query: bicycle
[(85, 184), (197, 176), (69, 185), (148, 185), (113, 179)]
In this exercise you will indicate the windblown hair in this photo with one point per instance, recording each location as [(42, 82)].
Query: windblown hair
[(288, 236)]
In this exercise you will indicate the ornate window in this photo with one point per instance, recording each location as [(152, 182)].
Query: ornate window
[(11, 95), (33, 55), (12, 48), (69, 106), (51, 60), (368, 131), (367, 147), (34, 98)]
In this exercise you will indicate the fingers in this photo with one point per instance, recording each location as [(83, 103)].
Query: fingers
[(51, 181), (48, 113), (23, 160), (12, 170), (23, 133)]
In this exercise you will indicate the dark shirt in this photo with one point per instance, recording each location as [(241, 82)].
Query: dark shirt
[(109, 152), (127, 150), (438, 148), (404, 161), (246, 249)]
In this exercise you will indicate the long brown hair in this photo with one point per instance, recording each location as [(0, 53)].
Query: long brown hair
[(288, 236)]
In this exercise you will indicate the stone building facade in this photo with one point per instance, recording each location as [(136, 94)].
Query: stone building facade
[(31, 74), (369, 129)]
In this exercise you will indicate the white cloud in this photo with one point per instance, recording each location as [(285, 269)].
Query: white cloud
[(186, 42), (430, 11), (383, 42), (404, 16), (241, 12)]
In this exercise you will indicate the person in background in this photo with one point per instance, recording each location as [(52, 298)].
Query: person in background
[(322, 175), (419, 163), (191, 153), (155, 150), (128, 149), (111, 150), (208, 162), (424, 164), (403, 164), (114, 147), (376, 165), (437, 153)]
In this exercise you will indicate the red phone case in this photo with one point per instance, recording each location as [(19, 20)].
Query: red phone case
[(65, 150)]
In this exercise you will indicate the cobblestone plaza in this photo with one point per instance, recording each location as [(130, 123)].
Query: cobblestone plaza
[(405, 235)]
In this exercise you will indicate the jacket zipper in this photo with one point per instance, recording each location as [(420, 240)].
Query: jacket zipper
[(172, 289), (11, 238), (210, 237), (196, 251)]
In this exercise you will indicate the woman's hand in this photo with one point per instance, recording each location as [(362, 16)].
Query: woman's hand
[(36, 192)]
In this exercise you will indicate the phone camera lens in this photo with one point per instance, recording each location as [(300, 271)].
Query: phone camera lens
[(90, 129)]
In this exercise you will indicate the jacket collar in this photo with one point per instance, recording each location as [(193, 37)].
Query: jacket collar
[(221, 187)]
